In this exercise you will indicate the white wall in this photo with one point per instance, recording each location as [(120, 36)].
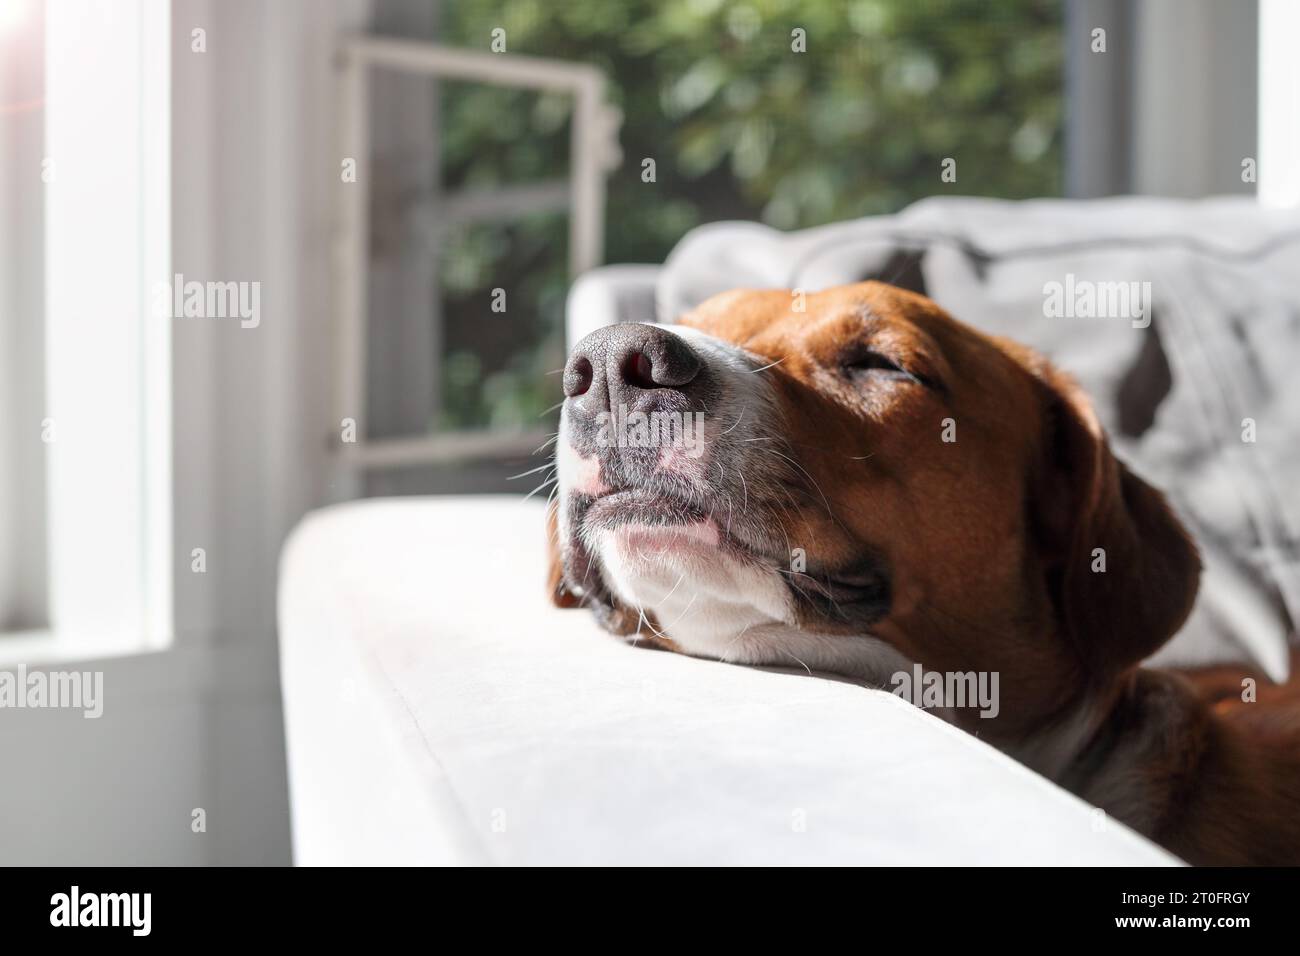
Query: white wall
[(1169, 108), (1195, 83), (1279, 104)]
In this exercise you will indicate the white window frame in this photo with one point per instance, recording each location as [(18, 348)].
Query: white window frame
[(593, 152), (1279, 104), (108, 415)]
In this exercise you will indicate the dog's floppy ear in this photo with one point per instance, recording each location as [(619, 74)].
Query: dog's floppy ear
[(556, 587), (589, 592), (1121, 569)]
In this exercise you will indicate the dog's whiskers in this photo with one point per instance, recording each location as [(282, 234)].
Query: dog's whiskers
[(548, 481), (755, 371), (801, 664), (735, 423), (826, 503), (531, 471)]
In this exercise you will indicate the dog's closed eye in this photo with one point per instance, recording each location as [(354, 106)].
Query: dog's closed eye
[(864, 363)]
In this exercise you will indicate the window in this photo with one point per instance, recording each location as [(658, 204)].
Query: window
[(85, 463), (1279, 105), (429, 397)]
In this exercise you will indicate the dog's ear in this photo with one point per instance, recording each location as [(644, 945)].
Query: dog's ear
[(1121, 569), (556, 587), (590, 591)]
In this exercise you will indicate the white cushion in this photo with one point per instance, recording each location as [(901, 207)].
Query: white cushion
[(609, 294), (439, 710)]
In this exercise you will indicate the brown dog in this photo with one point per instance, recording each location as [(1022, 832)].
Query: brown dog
[(857, 484)]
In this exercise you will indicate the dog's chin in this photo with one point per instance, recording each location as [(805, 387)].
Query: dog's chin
[(647, 547)]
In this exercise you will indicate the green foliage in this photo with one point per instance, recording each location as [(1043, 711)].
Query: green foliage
[(742, 127)]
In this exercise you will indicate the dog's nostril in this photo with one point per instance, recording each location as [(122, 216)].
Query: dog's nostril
[(638, 371), (577, 377)]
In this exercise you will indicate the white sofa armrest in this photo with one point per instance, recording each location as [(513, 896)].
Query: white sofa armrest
[(439, 710)]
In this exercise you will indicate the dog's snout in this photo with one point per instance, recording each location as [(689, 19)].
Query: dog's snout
[(617, 364)]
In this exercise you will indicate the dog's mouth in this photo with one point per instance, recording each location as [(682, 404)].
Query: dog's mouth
[(641, 507), (650, 525)]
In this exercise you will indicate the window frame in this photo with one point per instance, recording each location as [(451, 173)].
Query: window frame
[(107, 420), (593, 152)]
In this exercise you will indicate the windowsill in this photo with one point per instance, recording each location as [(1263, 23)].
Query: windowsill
[(39, 648), (184, 671)]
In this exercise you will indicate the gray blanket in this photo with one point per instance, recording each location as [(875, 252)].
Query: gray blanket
[(1181, 319)]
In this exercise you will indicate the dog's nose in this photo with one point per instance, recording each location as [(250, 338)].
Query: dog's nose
[(617, 364)]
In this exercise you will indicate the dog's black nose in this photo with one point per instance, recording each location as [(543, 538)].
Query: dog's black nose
[(617, 364)]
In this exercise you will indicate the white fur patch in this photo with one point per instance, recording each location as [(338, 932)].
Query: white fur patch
[(577, 472), (715, 605)]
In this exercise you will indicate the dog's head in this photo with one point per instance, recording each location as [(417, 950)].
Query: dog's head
[(853, 481)]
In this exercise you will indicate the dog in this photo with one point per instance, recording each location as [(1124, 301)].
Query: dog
[(856, 483)]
